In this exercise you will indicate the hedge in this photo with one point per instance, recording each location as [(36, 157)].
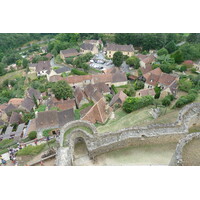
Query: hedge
[(135, 103)]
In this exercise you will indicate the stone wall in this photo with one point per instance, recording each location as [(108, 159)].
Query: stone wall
[(100, 143), (177, 159)]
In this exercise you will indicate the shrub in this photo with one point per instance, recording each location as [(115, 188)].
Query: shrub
[(108, 97), (78, 72), (31, 150), (32, 135), (166, 101), (135, 103), (114, 89), (139, 85)]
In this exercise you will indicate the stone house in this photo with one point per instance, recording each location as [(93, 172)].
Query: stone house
[(125, 49), (89, 48), (167, 82), (43, 68), (52, 119), (68, 53), (119, 98), (146, 60), (145, 92)]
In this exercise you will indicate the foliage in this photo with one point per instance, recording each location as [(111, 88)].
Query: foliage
[(130, 92), (139, 85), (118, 58), (108, 97), (171, 47), (162, 51), (185, 84), (46, 132), (178, 56), (32, 135), (41, 108), (27, 116), (31, 150), (77, 72), (193, 38), (80, 60), (69, 60), (62, 90), (135, 103), (183, 100), (157, 91), (133, 61), (166, 101), (114, 89)]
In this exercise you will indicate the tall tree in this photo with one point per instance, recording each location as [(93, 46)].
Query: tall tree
[(118, 58)]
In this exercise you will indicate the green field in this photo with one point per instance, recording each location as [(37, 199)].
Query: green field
[(141, 117), (11, 75)]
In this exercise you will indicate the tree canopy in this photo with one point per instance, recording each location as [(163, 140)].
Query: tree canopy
[(118, 58)]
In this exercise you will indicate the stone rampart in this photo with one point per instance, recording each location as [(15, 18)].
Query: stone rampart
[(100, 143)]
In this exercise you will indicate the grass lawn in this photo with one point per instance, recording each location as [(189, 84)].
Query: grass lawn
[(32, 76), (137, 118), (11, 75)]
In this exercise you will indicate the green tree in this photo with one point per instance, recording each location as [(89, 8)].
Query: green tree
[(185, 84), (62, 90), (133, 61), (139, 84), (171, 47), (118, 58), (162, 51), (178, 56), (25, 63)]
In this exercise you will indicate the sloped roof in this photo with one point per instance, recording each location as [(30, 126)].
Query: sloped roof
[(146, 69), (61, 104), (99, 112), (69, 52), (43, 65), (102, 87), (118, 47), (62, 69), (87, 46), (15, 101), (77, 79), (15, 118), (146, 92), (119, 96), (149, 59), (119, 77), (31, 93), (166, 79), (53, 118), (28, 104), (10, 108), (153, 76), (79, 95)]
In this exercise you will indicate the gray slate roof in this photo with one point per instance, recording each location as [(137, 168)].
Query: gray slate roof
[(118, 47), (63, 69), (87, 46)]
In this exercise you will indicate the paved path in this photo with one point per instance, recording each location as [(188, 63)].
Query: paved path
[(53, 64)]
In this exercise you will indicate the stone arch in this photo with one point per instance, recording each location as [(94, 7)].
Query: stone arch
[(68, 128)]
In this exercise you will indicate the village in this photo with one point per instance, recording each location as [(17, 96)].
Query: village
[(100, 83)]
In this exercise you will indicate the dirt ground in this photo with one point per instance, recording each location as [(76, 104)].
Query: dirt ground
[(132, 156)]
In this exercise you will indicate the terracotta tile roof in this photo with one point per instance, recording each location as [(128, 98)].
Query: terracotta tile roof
[(92, 92), (69, 52), (3, 106), (55, 78), (132, 77), (146, 92), (111, 70), (102, 78), (119, 77), (141, 56), (43, 65), (149, 59), (49, 55), (166, 79), (99, 112), (84, 111), (79, 95), (66, 116), (120, 97), (118, 47), (78, 79), (146, 69), (16, 101)]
